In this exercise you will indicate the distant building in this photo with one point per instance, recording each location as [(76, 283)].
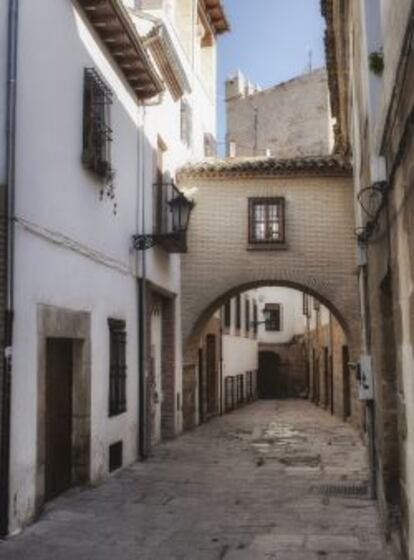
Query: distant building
[(288, 120)]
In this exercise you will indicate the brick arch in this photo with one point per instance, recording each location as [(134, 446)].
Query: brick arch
[(319, 257), (236, 290)]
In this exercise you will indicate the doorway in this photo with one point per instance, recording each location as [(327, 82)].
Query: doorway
[(269, 382), (59, 391), (211, 363), (346, 383), (64, 401)]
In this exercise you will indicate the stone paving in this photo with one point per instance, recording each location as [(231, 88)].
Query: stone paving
[(265, 482)]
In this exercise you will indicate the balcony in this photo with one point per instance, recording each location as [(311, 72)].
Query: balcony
[(172, 210)]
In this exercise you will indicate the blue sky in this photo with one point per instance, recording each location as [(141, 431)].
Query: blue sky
[(269, 41)]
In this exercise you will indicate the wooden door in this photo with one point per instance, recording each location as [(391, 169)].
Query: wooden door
[(201, 386), (269, 381), (211, 363), (326, 376), (346, 382), (59, 374)]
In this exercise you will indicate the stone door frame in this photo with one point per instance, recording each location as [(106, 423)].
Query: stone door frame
[(57, 322)]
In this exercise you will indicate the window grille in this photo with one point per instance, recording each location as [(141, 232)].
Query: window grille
[(266, 220), (186, 128), (306, 306), (273, 321), (97, 133), (117, 367)]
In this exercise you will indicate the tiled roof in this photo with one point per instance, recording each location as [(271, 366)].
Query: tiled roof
[(159, 42), (329, 166), (113, 25)]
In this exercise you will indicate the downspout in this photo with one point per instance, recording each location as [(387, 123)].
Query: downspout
[(143, 436), (142, 310), (9, 207)]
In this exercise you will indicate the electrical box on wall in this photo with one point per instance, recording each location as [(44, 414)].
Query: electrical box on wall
[(365, 378)]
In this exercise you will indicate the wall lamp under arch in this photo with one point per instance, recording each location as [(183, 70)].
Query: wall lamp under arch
[(267, 317), (174, 212)]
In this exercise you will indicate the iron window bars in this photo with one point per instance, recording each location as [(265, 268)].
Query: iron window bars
[(266, 220), (117, 367), (273, 317), (97, 133)]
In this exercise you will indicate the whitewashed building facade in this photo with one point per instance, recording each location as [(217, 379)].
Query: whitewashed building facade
[(110, 101)]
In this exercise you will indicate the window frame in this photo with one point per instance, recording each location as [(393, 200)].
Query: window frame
[(96, 125), (272, 325), (117, 398), (280, 202)]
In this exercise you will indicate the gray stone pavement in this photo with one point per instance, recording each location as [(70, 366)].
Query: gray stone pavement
[(260, 483)]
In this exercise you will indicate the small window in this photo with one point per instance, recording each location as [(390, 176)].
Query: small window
[(273, 320), (97, 133), (186, 127), (238, 313), (117, 367), (227, 314), (266, 220), (306, 306), (247, 316)]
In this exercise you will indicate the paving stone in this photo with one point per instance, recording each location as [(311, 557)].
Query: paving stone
[(205, 496)]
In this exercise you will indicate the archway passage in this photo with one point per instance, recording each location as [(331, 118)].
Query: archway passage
[(270, 342), (259, 222)]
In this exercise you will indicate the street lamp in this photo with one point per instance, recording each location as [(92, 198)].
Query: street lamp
[(181, 208), (267, 314), (174, 239)]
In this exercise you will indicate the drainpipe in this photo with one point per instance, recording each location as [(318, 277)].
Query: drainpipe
[(142, 310), (143, 436), (9, 205)]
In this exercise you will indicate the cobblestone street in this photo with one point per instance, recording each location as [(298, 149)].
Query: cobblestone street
[(260, 483)]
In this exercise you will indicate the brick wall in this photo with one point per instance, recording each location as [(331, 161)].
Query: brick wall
[(319, 256)]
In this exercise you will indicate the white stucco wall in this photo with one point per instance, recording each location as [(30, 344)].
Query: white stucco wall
[(292, 319), (239, 355), (72, 251)]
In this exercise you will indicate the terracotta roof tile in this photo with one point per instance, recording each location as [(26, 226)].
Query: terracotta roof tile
[(334, 165)]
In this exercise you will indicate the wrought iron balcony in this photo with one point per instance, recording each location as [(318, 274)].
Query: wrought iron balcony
[(171, 218)]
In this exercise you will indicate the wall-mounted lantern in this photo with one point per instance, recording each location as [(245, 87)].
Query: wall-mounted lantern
[(173, 234), (267, 317)]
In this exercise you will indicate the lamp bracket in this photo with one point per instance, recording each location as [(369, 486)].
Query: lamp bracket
[(142, 242)]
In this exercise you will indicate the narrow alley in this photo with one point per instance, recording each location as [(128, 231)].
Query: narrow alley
[(273, 480)]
